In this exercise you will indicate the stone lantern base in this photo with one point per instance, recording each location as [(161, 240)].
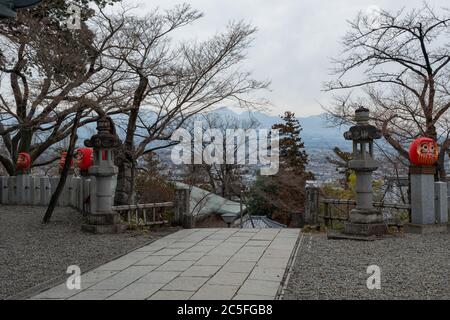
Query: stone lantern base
[(365, 229), (365, 225), (104, 223)]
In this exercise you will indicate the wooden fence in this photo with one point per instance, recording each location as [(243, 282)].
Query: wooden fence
[(324, 210), (144, 214), (329, 214)]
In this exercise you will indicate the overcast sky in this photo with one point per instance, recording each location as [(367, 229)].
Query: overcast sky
[(294, 43)]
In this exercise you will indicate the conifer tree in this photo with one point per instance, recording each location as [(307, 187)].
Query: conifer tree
[(293, 156)]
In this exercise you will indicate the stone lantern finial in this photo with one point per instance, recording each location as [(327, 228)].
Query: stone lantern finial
[(362, 115)]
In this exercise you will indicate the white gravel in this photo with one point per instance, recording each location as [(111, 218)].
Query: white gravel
[(412, 267), (32, 253)]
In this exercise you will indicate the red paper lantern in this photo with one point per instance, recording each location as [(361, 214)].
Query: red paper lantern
[(63, 160), (423, 152), (23, 161), (84, 158)]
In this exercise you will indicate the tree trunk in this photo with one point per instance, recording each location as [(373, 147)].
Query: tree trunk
[(124, 189), (65, 170), (125, 155)]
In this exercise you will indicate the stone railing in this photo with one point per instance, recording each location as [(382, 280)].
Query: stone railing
[(37, 191), (27, 190)]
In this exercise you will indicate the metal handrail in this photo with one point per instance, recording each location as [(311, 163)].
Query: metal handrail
[(375, 204), (143, 206)]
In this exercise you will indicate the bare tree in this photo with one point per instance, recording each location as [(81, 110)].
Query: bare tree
[(341, 160), (46, 73), (397, 64), (170, 82), (224, 179)]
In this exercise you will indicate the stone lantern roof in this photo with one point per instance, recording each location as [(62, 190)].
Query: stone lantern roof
[(105, 138), (362, 131)]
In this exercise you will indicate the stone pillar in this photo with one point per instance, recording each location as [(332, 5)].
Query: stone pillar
[(101, 218), (183, 215), (35, 191), (46, 190), (312, 205), (422, 195), (4, 192), (78, 199), (73, 190), (428, 200), (365, 220), (441, 205), (23, 184), (12, 190), (448, 201)]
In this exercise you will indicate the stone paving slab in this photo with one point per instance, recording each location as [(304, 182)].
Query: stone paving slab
[(198, 264)]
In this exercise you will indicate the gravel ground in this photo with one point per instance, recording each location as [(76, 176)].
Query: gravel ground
[(412, 267), (32, 253)]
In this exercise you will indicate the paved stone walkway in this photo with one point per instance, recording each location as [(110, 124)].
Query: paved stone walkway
[(220, 264)]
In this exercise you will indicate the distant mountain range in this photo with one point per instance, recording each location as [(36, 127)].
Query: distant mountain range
[(317, 134)]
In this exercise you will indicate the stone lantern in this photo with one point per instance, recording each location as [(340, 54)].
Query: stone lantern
[(101, 218), (365, 220)]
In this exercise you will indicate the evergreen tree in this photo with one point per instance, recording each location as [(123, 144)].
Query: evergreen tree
[(292, 149), (282, 196)]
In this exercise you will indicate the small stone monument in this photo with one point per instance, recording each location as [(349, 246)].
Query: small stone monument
[(366, 222), (429, 206), (101, 218)]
